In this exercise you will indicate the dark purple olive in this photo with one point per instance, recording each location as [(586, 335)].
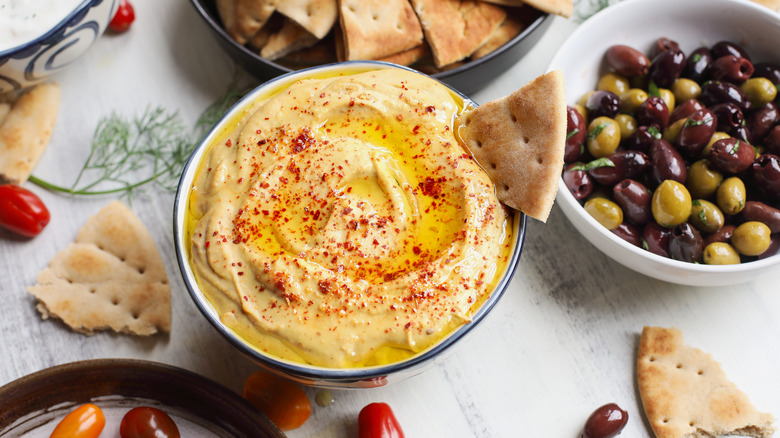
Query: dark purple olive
[(624, 164), (605, 422), (684, 109), (729, 116), (715, 92), (732, 155), (696, 132), (697, 66), (655, 239), (629, 232), (742, 133), (577, 180), (661, 45), (686, 243), (666, 163), (762, 120), (724, 48), (767, 70), (723, 235), (634, 199), (731, 68), (774, 244), (653, 111), (772, 140), (761, 212), (666, 67), (766, 174), (576, 132), (643, 138), (602, 103), (627, 61)]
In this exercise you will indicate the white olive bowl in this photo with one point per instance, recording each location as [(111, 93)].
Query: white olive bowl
[(639, 24)]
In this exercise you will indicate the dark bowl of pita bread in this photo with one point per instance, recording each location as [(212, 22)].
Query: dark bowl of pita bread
[(463, 44)]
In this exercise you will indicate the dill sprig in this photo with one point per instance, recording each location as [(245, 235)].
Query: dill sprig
[(584, 9)]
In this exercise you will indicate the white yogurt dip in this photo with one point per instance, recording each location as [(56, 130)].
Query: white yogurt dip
[(24, 20)]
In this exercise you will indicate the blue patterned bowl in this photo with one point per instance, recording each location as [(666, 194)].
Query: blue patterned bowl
[(44, 56)]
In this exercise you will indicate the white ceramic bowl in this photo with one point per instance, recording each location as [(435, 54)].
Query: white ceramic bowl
[(639, 23), (38, 59)]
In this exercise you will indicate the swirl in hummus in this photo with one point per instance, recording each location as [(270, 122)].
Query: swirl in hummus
[(340, 222)]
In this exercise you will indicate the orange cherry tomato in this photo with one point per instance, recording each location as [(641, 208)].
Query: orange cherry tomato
[(281, 400), (86, 421)]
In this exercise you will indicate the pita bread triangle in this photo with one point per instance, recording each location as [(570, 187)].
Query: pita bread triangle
[(685, 393), (111, 277), (519, 141)]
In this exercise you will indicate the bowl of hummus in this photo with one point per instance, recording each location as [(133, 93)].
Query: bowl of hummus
[(333, 227)]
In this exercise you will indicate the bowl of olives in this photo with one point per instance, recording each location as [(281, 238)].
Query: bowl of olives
[(672, 160)]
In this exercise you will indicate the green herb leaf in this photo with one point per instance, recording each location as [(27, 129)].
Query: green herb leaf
[(735, 148), (596, 131), (696, 57), (696, 203), (654, 131), (599, 162), (652, 89), (577, 166), (702, 217), (645, 246), (572, 133), (691, 122)]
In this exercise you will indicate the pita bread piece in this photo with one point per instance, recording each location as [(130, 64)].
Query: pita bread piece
[(563, 8), (25, 131), (112, 277), (408, 57), (454, 29), (290, 38), (316, 16), (510, 28), (373, 29), (686, 394), (244, 18), (771, 4), (519, 141)]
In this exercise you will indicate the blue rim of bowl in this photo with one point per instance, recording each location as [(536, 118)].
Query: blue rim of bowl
[(8, 53), (698, 268), (315, 373)]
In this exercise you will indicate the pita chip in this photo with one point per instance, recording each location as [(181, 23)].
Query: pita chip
[(290, 38), (25, 131), (242, 19), (408, 57), (519, 140), (111, 277), (373, 29), (454, 29), (771, 4), (316, 16), (510, 28), (563, 8), (685, 393)]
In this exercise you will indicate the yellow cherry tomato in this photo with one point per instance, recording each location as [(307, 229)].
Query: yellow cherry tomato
[(281, 400), (86, 421)]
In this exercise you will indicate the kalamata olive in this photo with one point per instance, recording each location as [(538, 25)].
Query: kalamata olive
[(766, 174), (686, 243), (666, 67), (655, 239), (685, 109), (772, 140), (630, 233), (761, 212), (767, 70), (653, 111), (661, 45), (751, 238), (762, 120), (627, 61), (774, 245), (634, 198), (602, 103), (696, 132), (715, 92), (732, 155), (720, 253), (697, 66), (724, 48), (666, 163), (605, 422), (577, 180), (723, 235), (742, 132), (575, 137), (643, 138), (729, 116), (671, 203), (620, 165), (731, 68)]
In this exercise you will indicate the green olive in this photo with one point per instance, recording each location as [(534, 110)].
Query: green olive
[(584, 99), (759, 91), (685, 89), (606, 212), (613, 82), (672, 131), (627, 124), (703, 180), (718, 135), (751, 238), (671, 203), (720, 253), (603, 136), (706, 216), (731, 195), (632, 99), (668, 98)]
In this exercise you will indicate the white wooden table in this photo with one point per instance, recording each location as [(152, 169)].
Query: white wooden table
[(560, 343)]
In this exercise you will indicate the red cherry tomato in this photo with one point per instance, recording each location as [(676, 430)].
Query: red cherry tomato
[(86, 421), (377, 420), (147, 422), (281, 400), (123, 18), (22, 211)]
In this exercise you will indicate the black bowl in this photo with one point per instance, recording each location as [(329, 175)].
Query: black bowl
[(466, 78)]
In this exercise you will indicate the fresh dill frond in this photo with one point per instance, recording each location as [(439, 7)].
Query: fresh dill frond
[(584, 9)]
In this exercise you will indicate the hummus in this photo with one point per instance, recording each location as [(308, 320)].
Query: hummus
[(339, 222)]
